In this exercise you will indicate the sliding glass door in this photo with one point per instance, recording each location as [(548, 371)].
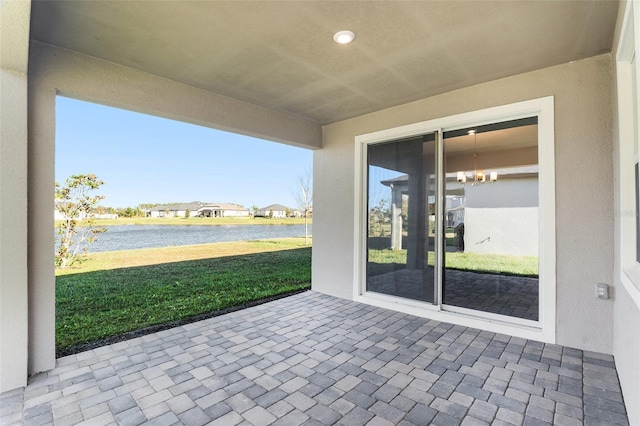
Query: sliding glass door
[(453, 220), (491, 226), (401, 218)]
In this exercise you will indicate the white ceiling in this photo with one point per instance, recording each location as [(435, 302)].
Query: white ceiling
[(281, 55), (496, 140)]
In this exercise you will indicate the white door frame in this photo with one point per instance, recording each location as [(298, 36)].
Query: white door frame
[(545, 328)]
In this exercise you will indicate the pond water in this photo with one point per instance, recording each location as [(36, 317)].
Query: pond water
[(129, 237)]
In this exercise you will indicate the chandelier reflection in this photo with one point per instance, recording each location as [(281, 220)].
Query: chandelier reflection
[(478, 177)]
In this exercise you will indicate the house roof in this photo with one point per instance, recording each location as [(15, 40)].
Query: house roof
[(281, 56), (193, 206), (275, 207), (222, 206)]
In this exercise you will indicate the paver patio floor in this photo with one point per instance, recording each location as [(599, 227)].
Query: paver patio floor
[(488, 292), (319, 360)]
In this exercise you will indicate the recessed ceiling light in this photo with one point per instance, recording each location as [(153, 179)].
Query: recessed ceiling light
[(344, 37)]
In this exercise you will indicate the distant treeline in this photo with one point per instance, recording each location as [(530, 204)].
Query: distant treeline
[(121, 211)]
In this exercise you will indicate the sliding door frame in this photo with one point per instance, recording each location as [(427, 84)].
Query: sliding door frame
[(545, 328)]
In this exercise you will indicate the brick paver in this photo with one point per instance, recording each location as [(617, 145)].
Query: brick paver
[(316, 359)]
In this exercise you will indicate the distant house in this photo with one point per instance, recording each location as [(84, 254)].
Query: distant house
[(105, 216), (176, 210), (278, 211), (222, 210)]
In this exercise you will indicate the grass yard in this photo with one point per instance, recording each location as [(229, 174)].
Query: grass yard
[(116, 292), (387, 260)]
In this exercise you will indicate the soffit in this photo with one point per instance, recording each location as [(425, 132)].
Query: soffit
[(280, 55)]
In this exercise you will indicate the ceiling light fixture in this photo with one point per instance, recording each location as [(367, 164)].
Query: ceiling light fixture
[(478, 175), (344, 37)]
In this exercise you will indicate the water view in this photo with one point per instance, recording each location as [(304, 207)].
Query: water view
[(129, 237)]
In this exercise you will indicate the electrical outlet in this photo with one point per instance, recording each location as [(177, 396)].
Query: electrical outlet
[(602, 291)]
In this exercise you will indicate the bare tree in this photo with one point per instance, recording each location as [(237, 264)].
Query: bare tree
[(304, 198), (75, 203)]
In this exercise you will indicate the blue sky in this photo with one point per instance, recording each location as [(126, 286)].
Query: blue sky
[(146, 159)]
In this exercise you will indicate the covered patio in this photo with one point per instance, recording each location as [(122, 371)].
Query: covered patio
[(319, 360), (343, 352)]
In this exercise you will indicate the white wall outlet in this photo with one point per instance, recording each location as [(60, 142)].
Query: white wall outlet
[(602, 291)]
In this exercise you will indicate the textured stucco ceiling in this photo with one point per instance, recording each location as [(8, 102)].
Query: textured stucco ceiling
[(281, 55), (511, 138)]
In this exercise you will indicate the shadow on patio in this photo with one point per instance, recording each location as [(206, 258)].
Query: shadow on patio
[(316, 359)]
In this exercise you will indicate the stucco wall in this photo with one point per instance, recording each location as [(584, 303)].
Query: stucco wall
[(626, 335), (14, 27), (583, 123), (13, 230), (504, 192), (42, 121), (502, 217), (501, 230), (627, 350)]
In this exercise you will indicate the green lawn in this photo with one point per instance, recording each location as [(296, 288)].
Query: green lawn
[(116, 292), (386, 260)]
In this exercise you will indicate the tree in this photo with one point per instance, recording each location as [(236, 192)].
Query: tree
[(304, 199), (255, 209), (380, 215), (187, 213), (127, 212), (75, 202), (270, 214)]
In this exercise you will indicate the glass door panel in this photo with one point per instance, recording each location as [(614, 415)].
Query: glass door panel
[(485, 190), (491, 219), (401, 218)]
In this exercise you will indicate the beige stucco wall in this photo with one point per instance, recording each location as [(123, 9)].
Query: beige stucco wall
[(13, 229), (626, 350), (502, 217), (505, 192), (501, 230), (14, 46), (626, 335), (583, 123), (41, 221)]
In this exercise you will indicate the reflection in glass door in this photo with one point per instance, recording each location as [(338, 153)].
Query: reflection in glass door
[(486, 235), (491, 219), (401, 218)]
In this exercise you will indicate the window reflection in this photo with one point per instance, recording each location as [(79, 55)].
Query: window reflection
[(400, 224), (491, 232)]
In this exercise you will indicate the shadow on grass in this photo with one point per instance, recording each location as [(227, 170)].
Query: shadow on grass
[(102, 307)]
